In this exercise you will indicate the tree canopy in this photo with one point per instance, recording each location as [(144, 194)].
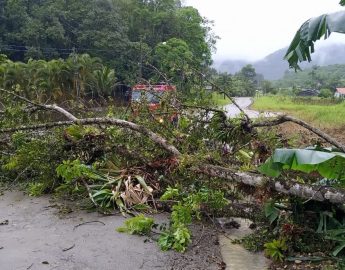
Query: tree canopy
[(119, 32)]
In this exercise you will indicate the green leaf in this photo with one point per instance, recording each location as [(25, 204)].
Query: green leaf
[(310, 31), (170, 193), (271, 212), (328, 164), (338, 249), (137, 225)]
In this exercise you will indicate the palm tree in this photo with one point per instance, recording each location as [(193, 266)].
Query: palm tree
[(103, 81), (83, 67)]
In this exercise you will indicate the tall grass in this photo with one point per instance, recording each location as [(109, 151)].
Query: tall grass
[(324, 113)]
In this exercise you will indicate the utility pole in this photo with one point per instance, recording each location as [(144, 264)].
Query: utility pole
[(76, 73), (141, 61)]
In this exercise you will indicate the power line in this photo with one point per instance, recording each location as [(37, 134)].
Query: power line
[(25, 48)]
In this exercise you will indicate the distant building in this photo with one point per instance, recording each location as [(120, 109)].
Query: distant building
[(339, 93), (308, 93)]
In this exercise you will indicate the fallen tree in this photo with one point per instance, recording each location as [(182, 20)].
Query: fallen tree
[(290, 188), (125, 164)]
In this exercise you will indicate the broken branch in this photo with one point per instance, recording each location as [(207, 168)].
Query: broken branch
[(285, 118), (222, 91), (105, 121), (43, 106)]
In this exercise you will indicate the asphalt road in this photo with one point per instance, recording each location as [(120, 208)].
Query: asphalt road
[(36, 238), (33, 236), (244, 103)]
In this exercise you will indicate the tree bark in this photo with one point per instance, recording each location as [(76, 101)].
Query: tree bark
[(291, 188)]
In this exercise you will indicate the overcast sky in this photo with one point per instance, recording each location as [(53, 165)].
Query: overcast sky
[(251, 29)]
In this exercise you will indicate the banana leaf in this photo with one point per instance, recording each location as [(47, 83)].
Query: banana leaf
[(327, 163), (312, 30)]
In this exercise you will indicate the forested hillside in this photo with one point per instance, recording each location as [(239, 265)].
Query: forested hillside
[(123, 33), (273, 66), (316, 77)]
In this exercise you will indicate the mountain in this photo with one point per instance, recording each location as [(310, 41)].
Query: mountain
[(273, 66)]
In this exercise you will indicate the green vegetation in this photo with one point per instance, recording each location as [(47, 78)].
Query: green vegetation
[(142, 161), (243, 83), (330, 225), (58, 80), (219, 99), (327, 77), (276, 249), (320, 112), (137, 225), (121, 33), (178, 236), (327, 163)]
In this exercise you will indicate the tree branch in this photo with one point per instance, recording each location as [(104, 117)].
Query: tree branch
[(222, 91), (60, 110), (42, 106), (285, 118), (105, 121), (291, 188), (203, 108)]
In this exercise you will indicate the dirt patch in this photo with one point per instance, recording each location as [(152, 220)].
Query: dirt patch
[(302, 137), (35, 237), (204, 252)]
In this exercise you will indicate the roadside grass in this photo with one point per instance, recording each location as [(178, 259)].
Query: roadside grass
[(219, 99), (321, 113)]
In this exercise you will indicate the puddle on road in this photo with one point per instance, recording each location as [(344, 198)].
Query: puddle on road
[(237, 257)]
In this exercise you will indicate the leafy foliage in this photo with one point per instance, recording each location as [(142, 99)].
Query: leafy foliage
[(137, 225), (327, 163), (271, 212), (119, 190), (71, 170), (78, 75), (255, 242), (119, 32), (276, 249), (36, 189), (178, 236), (312, 30), (178, 239), (333, 230), (31, 160), (170, 193)]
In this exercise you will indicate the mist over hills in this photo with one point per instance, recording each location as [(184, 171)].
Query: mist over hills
[(273, 66)]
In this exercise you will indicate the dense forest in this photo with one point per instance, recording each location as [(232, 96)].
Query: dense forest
[(60, 49), (122, 33)]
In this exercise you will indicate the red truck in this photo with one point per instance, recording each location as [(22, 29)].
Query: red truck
[(152, 94)]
